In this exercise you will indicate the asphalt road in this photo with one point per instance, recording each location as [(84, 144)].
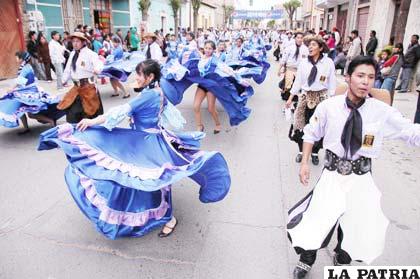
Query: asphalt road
[(43, 234)]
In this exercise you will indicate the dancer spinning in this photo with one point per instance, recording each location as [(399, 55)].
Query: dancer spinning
[(27, 99), (120, 177), (353, 127), (83, 100), (203, 93), (115, 71), (316, 80)]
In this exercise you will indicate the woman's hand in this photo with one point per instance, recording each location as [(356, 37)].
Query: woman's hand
[(84, 124)]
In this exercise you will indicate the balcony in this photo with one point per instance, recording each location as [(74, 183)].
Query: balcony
[(325, 4)]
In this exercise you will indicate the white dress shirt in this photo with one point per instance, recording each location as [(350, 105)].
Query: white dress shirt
[(288, 58), (325, 78), (87, 65), (380, 121), (56, 52), (155, 51)]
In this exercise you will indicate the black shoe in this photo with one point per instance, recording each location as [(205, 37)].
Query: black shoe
[(301, 270), (298, 158), (336, 262), (402, 91), (398, 88), (315, 160)]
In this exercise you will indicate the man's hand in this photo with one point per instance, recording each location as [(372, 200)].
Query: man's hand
[(304, 174), (289, 103)]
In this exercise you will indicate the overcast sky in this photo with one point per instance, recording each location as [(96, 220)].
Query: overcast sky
[(257, 4)]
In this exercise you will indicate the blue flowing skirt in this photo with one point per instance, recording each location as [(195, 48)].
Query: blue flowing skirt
[(28, 99), (121, 179)]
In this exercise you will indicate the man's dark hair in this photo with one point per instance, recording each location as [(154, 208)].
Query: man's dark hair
[(373, 32), (298, 33), (355, 32), (53, 33), (360, 60), (417, 36), (30, 34)]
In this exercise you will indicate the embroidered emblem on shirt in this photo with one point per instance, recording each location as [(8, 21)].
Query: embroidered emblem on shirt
[(322, 78), (368, 140), (82, 64)]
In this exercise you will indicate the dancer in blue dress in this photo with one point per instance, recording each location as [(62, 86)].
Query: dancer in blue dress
[(227, 85), (119, 65), (26, 98), (120, 177)]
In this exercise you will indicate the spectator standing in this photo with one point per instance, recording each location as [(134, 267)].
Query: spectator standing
[(417, 116), (134, 39), (355, 48), (44, 55), (411, 58), (392, 68), (57, 57), (372, 44), (32, 47)]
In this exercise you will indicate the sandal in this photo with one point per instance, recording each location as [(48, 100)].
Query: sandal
[(126, 96), (24, 132), (200, 128), (217, 130), (115, 95), (162, 234)]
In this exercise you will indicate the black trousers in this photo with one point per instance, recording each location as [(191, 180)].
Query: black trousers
[(75, 113), (309, 256)]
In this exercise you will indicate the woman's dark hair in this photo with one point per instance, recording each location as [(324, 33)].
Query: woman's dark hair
[(53, 33), (25, 56), (40, 35), (400, 47), (191, 35), (211, 43), (116, 39), (241, 39), (360, 60), (321, 44), (30, 34), (339, 48), (148, 67), (104, 37)]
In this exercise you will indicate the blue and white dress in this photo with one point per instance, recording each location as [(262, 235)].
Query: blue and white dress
[(119, 64), (27, 97), (228, 86), (121, 177)]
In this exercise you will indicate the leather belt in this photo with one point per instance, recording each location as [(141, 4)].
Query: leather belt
[(360, 166), (83, 81)]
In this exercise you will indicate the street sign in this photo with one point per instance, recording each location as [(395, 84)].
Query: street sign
[(261, 14)]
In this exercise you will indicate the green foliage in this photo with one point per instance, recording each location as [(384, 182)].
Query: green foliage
[(144, 5), (271, 23), (175, 5)]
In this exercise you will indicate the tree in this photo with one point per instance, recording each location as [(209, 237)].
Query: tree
[(291, 7), (271, 23), (196, 6), (175, 5), (227, 12), (144, 6)]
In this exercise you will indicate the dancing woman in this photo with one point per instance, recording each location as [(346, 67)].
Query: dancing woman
[(203, 93), (121, 177), (27, 99), (117, 55)]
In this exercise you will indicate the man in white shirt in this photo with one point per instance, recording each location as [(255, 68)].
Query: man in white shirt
[(83, 99), (152, 50), (290, 61), (355, 48), (57, 57), (353, 127)]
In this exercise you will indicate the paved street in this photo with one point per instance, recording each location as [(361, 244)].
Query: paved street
[(43, 234)]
